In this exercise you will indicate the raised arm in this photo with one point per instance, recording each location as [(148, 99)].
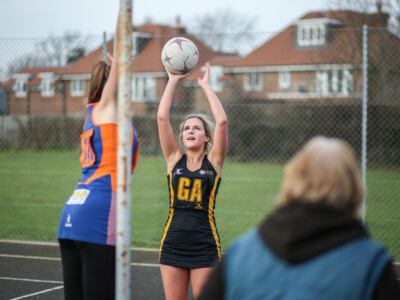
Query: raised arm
[(169, 146), (107, 110), (220, 141)]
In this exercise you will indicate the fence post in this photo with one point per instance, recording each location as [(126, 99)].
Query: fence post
[(124, 153), (364, 113), (104, 45)]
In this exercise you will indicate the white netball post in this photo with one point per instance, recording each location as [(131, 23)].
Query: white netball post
[(124, 153), (364, 117)]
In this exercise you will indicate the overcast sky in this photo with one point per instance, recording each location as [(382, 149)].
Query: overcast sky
[(39, 18)]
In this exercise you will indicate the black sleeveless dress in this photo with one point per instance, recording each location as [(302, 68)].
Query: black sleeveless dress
[(190, 237)]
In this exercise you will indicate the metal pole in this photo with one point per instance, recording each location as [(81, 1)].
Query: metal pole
[(364, 114), (104, 45), (124, 155)]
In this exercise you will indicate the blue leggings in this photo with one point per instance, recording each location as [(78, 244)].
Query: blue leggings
[(88, 270)]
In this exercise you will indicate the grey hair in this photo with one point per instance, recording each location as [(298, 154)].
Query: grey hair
[(208, 128), (325, 171)]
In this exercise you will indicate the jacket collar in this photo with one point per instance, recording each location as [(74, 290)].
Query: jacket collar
[(299, 231)]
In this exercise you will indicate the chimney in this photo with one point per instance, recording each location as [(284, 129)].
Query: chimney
[(378, 19), (379, 6), (178, 29)]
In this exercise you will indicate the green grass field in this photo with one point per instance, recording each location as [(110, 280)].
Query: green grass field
[(35, 185)]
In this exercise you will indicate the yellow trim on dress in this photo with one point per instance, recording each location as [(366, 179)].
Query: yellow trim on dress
[(211, 215), (171, 213)]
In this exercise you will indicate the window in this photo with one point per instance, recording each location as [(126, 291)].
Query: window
[(334, 82), (310, 34), (144, 89), (77, 87), (46, 88), (216, 73), (46, 84), (284, 79), (140, 40), (19, 85), (19, 88), (253, 82)]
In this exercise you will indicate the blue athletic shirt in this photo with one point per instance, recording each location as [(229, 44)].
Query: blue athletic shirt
[(89, 215)]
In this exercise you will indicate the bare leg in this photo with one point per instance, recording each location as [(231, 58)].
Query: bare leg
[(175, 281), (198, 277)]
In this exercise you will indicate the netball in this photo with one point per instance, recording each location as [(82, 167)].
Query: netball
[(179, 55)]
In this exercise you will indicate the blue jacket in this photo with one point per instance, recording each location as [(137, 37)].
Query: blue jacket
[(304, 251), (349, 271)]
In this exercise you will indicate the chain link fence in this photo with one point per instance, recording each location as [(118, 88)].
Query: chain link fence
[(275, 102)]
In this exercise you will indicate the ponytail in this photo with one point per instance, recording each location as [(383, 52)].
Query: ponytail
[(98, 79)]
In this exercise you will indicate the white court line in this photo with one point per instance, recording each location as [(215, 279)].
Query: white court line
[(31, 280), (59, 259), (28, 243), (30, 257), (38, 293), (56, 244)]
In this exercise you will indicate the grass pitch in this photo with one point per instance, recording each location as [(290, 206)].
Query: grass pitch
[(34, 186)]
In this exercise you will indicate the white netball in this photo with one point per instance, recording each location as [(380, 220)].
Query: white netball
[(179, 55)]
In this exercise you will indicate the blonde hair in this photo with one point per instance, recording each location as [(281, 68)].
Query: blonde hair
[(208, 128), (324, 171)]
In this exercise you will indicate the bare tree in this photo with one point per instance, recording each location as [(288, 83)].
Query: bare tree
[(48, 52), (217, 29), (23, 62), (57, 50), (391, 7)]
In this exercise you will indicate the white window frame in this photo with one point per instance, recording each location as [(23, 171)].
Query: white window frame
[(311, 34), (19, 88), (19, 85), (46, 84), (135, 37), (284, 79), (253, 82), (143, 88), (334, 82), (216, 73), (77, 87)]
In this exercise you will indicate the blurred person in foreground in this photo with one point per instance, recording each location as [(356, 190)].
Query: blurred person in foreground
[(87, 229), (313, 246)]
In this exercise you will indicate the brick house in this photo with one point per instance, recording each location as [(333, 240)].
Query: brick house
[(316, 58), (64, 90)]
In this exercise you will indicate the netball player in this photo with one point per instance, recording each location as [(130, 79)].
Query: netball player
[(190, 243), (87, 229)]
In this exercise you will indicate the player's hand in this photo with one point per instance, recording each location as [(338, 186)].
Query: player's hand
[(206, 76), (111, 58), (176, 77)]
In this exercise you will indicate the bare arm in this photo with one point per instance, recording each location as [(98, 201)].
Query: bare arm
[(220, 142), (169, 146), (107, 110)]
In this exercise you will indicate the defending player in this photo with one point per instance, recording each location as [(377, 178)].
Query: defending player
[(87, 229)]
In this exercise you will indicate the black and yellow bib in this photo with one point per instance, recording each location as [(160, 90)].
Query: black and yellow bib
[(190, 237)]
